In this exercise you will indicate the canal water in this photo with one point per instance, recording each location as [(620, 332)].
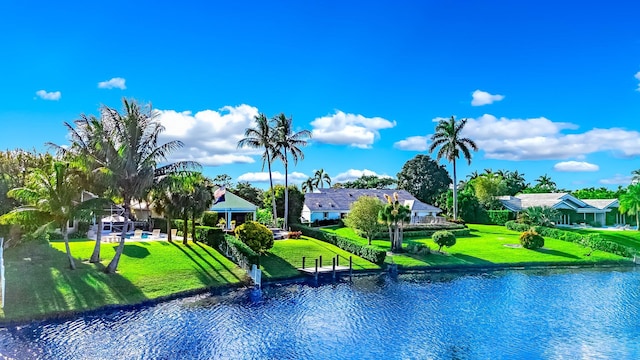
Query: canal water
[(557, 314)]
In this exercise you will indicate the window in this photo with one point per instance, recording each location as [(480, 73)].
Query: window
[(325, 215)]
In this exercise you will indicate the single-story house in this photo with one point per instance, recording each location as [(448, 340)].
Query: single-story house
[(232, 207), (332, 204), (572, 210)]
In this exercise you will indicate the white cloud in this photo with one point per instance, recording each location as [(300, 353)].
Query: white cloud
[(52, 95), (543, 139), (210, 136), (413, 143), (575, 166), (637, 76), (617, 179), (353, 174), (349, 129), (116, 82), (480, 98), (278, 178)]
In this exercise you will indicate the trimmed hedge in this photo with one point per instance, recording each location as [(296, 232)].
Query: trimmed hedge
[(594, 241), (212, 236), (371, 253), (237, 247), (429, 233), (498, 217)]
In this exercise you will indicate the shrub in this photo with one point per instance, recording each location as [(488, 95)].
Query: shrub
[(257, 236), (498, 217), (516, 226), (531, 240), (444, 238), (428, 233), (159, 223), (209, 218), (539, 215), (265, 216), (238, 249), (593, 241), (371, 253), (418, 249), (210, 235), (295, 234)]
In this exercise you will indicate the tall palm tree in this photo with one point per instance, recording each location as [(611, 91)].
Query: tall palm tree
[(308, 185), (449, 138), (54, 194), (263, 136), (127, 150), (288, 142), (636, 176), (320, 177), (545, 182), (201, 199), (630, 203)]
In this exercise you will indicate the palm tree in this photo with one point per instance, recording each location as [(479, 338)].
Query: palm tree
[(262, 136), (636, 176), (288, 142), (127, 150), (394, 215), (448, 138), (308, 185), (54, 194), (545, 182), (630, 202), (201, 199), (320, 177)]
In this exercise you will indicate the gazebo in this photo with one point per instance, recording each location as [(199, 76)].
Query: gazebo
[(235, 208)]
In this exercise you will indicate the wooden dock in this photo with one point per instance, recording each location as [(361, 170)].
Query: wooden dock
[(322, 270), (318, 269)]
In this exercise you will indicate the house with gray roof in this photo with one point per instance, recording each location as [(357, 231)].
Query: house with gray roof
[(573, 211), (333, 204)]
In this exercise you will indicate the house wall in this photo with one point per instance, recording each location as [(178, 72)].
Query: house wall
[(615, 218), (329, 215)]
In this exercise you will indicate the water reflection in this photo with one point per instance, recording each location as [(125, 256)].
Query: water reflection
[(535, 314)]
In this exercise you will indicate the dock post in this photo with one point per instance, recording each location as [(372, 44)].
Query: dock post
[(320, 260), (303, 261), (316, 273), (334, 268), (337, 260), (350, 265)]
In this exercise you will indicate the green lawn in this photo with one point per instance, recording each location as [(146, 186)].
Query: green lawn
[(39, 281), (629, 238), (285, 257), (486, 245)]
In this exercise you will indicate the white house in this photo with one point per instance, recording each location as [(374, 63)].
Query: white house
[(332, 204)]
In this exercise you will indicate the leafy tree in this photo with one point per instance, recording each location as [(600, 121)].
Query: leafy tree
[(444, 238), (201, 198), (363, 217), (223, 180), (539, 215), (448, 137), (368, 182), (423, 178), (514, 182), (308, 185), (320, 177), (288, 142), (630, 203), (635, 176), (296, 202), (263, 136), (598, 193), (264, 216), (257, 236), (249, 192), (393, 214), (487, 187), (125, 146)]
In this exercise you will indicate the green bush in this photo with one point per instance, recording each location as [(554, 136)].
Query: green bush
[(444, 238), (460, 232), (210, 218), (371, 253), (516, 226), (418, 248), (237, 249), (531, 240), (159, 223), (257, 236), (210, 235), (593, 241), (498, 217)]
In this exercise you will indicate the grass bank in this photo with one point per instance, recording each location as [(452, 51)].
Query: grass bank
[(285, 257), (490, 245), (39, 282), (629, 238)]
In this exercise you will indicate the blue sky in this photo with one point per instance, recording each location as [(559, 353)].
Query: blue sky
[(548, 88)]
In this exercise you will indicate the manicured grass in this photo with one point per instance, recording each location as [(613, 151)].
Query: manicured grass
[(285, 257), (486, 245), (39, 281), (629, 238)]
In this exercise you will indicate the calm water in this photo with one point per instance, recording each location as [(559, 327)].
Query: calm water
[(505, 315)]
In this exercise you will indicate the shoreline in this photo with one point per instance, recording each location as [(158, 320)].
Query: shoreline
[(300, 279)]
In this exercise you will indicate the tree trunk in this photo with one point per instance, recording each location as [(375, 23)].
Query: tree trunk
[(113, 265), (369, 239), (637, 222), (95, 257), (193, 228), (274, 216), (455, 192), (169, 229), (390, 235), (65, 236), (286, 192), (185, 228)]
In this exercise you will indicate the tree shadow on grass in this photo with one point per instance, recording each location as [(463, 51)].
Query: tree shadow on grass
[(47, 286), (135, 251), (273, 264), (205, 271), (212, 256), (557, 253)]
